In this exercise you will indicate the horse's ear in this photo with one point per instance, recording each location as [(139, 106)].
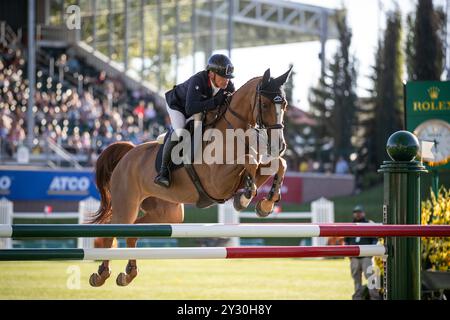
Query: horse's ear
[(282, 79), (266, 78)]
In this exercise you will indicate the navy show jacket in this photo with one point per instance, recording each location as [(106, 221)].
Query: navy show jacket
[(194, 95)]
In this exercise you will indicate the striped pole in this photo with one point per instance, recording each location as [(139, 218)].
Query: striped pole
[(192, 253), (222, 230)]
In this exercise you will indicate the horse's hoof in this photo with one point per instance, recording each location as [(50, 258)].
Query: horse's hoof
[(97, 280), (264, 208), (124, 279), (237, 202), (240, 201)]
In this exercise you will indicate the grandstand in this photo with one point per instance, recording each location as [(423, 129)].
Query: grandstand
[(89, 91), (77, 107)]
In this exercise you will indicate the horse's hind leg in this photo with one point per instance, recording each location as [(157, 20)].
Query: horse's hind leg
[(124, 212), (156, 211), (103, 273), (131, 271)]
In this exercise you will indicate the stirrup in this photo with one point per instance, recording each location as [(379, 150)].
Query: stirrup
[(161, 183)]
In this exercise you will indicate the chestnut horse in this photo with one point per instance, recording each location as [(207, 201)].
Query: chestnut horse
[(125, 172)]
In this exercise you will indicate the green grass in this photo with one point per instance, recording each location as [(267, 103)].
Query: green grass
[(371, 199), (287, 279)]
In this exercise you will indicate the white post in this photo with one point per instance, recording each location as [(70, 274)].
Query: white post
[(85, 210), (322, 212), (227, 215), (6, 217)]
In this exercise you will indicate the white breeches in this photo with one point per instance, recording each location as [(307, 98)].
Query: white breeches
[(177, 119)]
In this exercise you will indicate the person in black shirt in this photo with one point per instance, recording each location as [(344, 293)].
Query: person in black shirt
[(360, 265), (204, 91)]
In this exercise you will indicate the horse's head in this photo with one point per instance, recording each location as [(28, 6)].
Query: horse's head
[(270, 105)]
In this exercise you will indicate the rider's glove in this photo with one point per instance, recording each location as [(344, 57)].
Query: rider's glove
[(220, 98)]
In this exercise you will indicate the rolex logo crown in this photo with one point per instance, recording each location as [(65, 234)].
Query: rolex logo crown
[(433, 92)]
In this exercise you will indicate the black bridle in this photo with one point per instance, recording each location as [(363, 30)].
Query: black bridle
[(275, 97)]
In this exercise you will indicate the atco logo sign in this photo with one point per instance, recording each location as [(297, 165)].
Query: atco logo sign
[(5, 185), (65, 185)]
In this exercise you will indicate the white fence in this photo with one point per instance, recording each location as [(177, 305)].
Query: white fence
[(322, 211), (6, 209), (85, 208)]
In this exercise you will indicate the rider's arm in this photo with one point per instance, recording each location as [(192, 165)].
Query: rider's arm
[(195, 100)]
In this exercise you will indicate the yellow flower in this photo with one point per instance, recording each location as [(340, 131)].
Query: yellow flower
[(436, 210)]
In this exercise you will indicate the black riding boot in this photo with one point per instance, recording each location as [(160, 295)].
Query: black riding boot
[(163, 178)]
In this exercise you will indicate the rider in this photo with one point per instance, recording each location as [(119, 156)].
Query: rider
[(204, 91)]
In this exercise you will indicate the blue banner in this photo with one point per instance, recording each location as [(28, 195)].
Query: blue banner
[(72, 185)]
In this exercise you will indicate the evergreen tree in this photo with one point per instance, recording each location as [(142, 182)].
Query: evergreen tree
[(382, 115), (409, 46), (299, 136), (334, 100), (424, 47)]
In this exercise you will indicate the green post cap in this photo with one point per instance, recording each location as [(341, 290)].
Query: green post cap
[(402, 146)]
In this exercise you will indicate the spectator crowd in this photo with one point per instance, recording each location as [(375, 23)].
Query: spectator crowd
[(82, 119)]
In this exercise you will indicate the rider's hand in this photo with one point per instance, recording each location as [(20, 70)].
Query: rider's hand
[(220, 98), (231, 88)]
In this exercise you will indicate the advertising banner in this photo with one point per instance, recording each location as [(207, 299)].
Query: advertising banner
[(47, 185)]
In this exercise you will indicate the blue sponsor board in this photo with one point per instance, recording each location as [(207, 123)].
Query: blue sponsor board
[(47, 184)]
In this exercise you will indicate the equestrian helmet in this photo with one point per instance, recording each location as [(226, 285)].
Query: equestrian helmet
[(221, 64)]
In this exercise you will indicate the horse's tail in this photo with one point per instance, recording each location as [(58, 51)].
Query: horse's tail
[(104, 168)]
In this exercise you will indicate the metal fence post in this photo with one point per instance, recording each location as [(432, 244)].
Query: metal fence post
[(402, 206)]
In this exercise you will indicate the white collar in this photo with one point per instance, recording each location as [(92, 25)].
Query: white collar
[(214, 88)]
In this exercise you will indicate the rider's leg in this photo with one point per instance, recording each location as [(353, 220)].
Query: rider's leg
[(178, 121)]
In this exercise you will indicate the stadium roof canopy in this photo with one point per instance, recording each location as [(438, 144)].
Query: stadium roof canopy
[(162, 32), (266, 22)]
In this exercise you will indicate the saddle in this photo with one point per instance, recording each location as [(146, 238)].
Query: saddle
[(205, 200)]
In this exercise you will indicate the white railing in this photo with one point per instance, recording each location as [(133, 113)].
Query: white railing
[(62, 153), (43, 215), (7, 36), (85, 209), (6, 216), (322, 211)]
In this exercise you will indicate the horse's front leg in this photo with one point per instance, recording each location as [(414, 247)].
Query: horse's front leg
[(242, 199), (265, 206)]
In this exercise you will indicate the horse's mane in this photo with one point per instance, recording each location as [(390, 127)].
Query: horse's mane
[(245, 84), (283, 93), (223, 108)]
